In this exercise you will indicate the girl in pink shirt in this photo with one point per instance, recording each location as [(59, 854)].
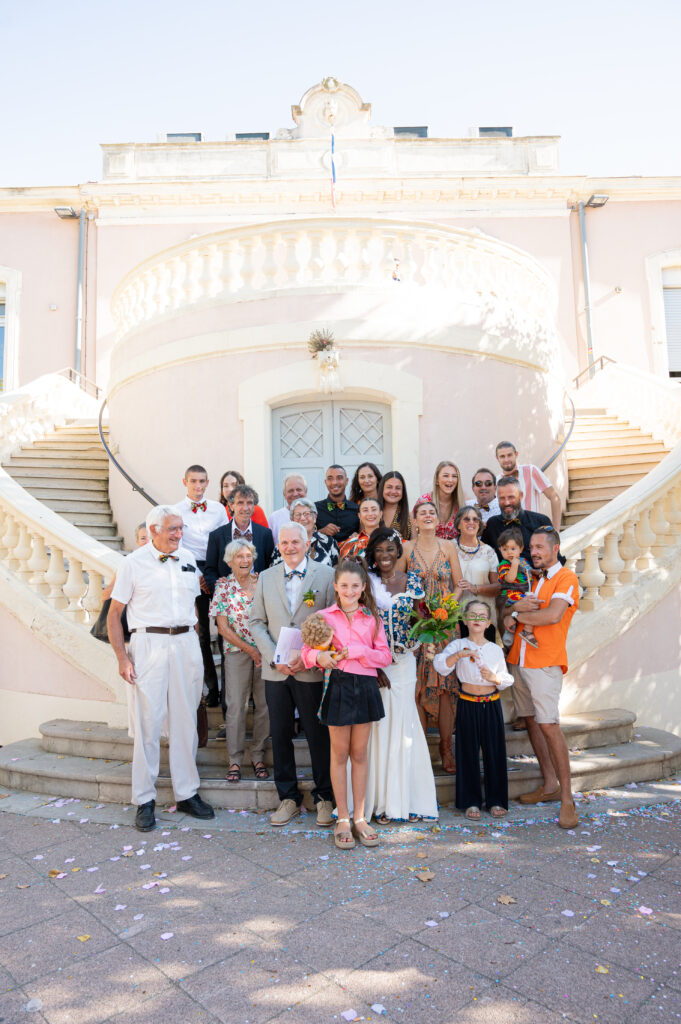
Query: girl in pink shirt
[(352, 700)]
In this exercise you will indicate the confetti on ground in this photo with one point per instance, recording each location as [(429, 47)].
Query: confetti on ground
[(167, 935), (506, 900), (568, 913), (33, 1005), (431, 924), (602, 970), (350, 1015), (378, 1008), (83, 938), (645, 910)]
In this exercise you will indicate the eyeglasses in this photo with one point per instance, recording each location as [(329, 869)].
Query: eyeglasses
[(304, 515), (483, 483), (477, 618)]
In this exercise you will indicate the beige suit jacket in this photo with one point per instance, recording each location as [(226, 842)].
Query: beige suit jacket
[(270, 611)]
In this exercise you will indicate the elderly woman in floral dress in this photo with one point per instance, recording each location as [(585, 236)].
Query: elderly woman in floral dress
[(231, 605)]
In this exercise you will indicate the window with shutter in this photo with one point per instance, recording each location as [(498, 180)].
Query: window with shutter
[(672, 317)]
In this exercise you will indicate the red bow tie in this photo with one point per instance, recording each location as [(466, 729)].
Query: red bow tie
[(196, 505)]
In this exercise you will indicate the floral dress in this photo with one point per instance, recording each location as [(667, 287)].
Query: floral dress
[(355, 545), (235, 604), (447, 531), (430, 685)]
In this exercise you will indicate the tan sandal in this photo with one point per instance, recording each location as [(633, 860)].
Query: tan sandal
[(498, 811), (366, 839), (344, 839), (473, 814)]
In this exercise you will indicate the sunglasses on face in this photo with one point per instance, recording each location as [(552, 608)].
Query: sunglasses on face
[(483, 483), (477, 618)]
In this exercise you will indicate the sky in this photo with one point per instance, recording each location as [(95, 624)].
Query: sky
[(603, 75)]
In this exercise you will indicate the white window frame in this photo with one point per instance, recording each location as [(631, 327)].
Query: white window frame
[(655, 267), (11, 280)]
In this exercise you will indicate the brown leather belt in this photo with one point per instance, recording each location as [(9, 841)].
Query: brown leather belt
[(166, 630)]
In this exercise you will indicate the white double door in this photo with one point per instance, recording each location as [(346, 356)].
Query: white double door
[(309, 437)]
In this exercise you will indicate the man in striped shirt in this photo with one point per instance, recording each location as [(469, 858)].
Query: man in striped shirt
[(533, 482)]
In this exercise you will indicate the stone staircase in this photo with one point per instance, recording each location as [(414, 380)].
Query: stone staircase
[(90, 760), (68, 470), (605, 455)]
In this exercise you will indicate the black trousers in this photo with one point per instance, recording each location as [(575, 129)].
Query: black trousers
[(210, 677), (283, 697), (480, 725)]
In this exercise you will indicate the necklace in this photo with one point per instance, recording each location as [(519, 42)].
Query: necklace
[(388, 579), (468, 550)]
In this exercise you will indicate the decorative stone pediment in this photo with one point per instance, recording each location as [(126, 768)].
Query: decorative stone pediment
[(331, 105)]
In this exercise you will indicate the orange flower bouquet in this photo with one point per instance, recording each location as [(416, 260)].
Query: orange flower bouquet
[(437, 618)]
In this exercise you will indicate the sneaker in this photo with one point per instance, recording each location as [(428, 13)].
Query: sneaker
[(144, 819), (324, 813), (285, 812)]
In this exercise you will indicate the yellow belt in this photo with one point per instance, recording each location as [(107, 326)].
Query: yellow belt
[(479, 698)]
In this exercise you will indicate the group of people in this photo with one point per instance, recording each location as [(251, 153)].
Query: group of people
[(359, 686)]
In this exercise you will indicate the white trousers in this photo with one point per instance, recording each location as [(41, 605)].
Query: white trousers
[(168, 688)]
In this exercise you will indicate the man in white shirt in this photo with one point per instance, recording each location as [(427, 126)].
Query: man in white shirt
[(295, 486), (200, 516), (158, 585), (286, 595), (531, 479), (485, 494)]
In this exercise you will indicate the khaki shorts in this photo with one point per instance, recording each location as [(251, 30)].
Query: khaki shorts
[(536, 692)]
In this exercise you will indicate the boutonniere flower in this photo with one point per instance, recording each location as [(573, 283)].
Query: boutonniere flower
[(308, 598)]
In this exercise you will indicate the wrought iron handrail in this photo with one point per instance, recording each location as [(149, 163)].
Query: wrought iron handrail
[(84, 383), (565, 439), (133, 483), (591, 369)]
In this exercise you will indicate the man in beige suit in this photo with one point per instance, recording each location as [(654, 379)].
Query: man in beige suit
[(279, 601)]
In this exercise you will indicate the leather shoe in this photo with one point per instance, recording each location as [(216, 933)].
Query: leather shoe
[(539, 796), (144, 819), (568, 817), (285, 812), (213, 700), (324, 813), (195, 806)]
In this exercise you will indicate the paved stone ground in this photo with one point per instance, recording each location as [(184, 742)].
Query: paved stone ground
[(519, 924)]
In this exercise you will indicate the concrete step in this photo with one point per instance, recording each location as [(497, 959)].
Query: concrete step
[(612, 465), (115, 543), (66, 503), (53, 444), (48, 488), (582, 412), (57, 474), (605, 431), (584, 508), (587, 488), (81, 517), (27, 766), (32, 460), (618, 447), (95, 739)]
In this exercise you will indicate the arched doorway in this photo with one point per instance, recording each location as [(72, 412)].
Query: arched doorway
[(309, 436)]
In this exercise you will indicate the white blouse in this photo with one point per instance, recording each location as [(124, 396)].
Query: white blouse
[(467, 670)]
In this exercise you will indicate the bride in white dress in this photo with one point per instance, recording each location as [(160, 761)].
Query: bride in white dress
[(400, 783)]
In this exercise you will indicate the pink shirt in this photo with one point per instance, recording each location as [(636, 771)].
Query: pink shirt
[(366, 653), (533, 482)]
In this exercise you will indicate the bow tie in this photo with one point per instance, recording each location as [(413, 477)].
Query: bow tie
[(164, 558), (485, 508), (293, 572), (331, 505), (242, 536), (196, 505), (544, 574)]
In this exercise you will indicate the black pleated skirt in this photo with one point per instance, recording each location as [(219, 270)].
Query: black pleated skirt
[(351, 700)]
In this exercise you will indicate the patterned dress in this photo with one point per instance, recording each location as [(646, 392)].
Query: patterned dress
[(430, 685), (235, 604), (395, 525), (355, 545), (323, 549)]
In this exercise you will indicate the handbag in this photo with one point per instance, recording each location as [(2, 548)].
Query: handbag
[(99, 630), (202, 723)]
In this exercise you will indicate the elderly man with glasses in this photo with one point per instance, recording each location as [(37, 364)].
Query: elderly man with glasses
[(322, 549)]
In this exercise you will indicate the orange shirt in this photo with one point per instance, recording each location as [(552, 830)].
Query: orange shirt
[(552, 637)]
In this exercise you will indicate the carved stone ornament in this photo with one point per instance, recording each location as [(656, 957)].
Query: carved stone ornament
[(331, 105)]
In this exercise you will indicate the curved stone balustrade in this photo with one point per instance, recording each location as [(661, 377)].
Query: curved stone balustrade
[(336, 254), (653, 402), (32, 411), (51, 556)]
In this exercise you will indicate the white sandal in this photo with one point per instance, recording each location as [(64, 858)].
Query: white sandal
[(367, 840), (347, 844)]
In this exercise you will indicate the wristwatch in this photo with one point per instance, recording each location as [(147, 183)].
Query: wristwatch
[(514, 615)]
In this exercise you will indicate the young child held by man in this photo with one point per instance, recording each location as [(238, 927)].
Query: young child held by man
[(515, 578)]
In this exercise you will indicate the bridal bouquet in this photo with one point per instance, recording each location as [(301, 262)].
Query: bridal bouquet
[(437, 618)]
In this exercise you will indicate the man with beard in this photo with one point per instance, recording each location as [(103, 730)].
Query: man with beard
[(510, 495)]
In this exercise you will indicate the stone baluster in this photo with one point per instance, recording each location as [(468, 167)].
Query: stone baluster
[(291, 262), (611, 564), (148, 294), (572, 561), (629, 550), (56, 577), (10, 539), (672, 511), (3, 527), (270, 266), (386, 261), (92, 602), (363, 255), (592, 579), (74, 589), (175, 289), (229, 275), (660, 527), (344, 265), (192, 279), (316, 259), (22, 552), (163, 292), (247, 270), (38, 563), (645, 539), (208, 277)]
